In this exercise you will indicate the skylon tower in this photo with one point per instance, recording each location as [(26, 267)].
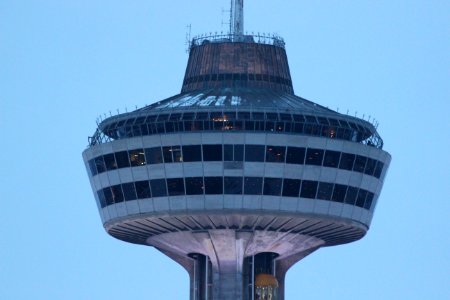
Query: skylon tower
[(236, 178)]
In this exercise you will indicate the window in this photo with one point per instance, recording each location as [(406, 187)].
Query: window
[(137, 157), (369, 200), (291, 187), (100, 164), (92, 167), (272, 186), (212, 152), (254, 153), (314, 157), (331, 159), (378, 169), (110, 162), (275, 154), (129, 191), (192, 153), (101, 198), (360, 164), (325, 191), (362, 194), (108, 196), (370, 166), (228, 152), (175, 186), (213, 185), (347, 161), (350, 197), (176, 154), (233, 185), (309, 189), (339, 193), (167, 154), (142, 189), (117, 193), (122, 159), (253, 185), (159, 188), (194, 186), (295, 155), (154, 155)]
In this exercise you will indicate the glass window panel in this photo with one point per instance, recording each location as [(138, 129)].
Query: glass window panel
[(92, 167), (275, 154), (360, 164), (250, 125), (314, 157), (100, 164), (272, 116), (331, 159), (362, 195), (228, 152), (254, 153), (258, 116), (159, 188), (378, 169), (167, 154), (212, 152), (194, 186), (233, 185), (137, 157), (117, 193), (347, 161), (291, 187), (309, 189), (101, 198), (175, 186), (339, 193), (192, 153), (311, 119), (170, 127), (122, 159), (325, 191), (238, 152), (369, 200), (370, 166), (108, 196), (272, 186), (350, 197), (298, 128), (213, 185), (154, 155), (176, 154), (129, 191), (110, 161), (142, 189), (295, 155), (270, 126), (253, 185)]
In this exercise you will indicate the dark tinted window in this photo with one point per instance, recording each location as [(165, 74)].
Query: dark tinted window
[(314, 157), (92, 167), (253, 185), (212, 152), (295, 155), (360, 164), (291, 187), (213, 185), (339, 193), (369, 200), (238, 152), (194, 186), (233, 185), (100, 164), (272, 186), (350, 197), (167, 154), (378, 169), (325, 191), (122, 159), (309, 189), (137, 157), (175, 186), (110, 161), (275, 154), (142, 189), (158, 187), (228, 152), (129, 192), (254, 153), (154, 155), (117, 193), (176, 154), (331, 159), (362, 194), (370, 166), (192, 153), (101, 198), (347, 161), (108, 196)]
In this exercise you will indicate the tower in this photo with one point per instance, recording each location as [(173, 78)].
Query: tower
[(236, 178)]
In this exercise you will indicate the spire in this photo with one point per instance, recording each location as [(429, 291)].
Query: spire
[(237, 17)]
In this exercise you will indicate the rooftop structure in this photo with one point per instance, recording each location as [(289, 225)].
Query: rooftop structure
[(236, 178)]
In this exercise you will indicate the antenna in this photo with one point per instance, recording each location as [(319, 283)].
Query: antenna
[(237, 18), (188, 37)]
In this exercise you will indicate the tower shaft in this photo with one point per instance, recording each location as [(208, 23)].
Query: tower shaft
[(237, 16)]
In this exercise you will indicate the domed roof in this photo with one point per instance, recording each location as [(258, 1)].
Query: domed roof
[(266, 280)]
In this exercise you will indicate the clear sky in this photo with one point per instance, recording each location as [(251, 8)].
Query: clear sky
[(65, 62)]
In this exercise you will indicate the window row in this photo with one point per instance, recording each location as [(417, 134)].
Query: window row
[(235, 186), (248, 153), (237, 77)]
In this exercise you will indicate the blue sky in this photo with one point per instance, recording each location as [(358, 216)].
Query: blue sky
[(65, 62)]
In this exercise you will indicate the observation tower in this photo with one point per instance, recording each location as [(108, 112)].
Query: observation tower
[(236, 178)]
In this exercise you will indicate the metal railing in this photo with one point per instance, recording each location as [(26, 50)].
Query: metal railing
[(258, 38)]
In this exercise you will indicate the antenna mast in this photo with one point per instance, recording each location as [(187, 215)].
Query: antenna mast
[(237, 18)]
